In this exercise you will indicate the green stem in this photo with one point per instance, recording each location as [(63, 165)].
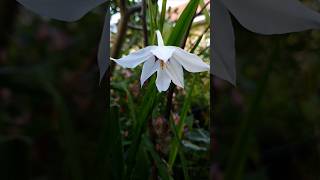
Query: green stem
[(183, 115), (163, 14)]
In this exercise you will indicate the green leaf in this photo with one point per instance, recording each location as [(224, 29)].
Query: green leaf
[(122, 86), (192, 146), (163, 172), (183, 115), (109, 160), (199, 135), (153, 22), (140, 170), (163, 14), (205, 11), (149, 101), (182, 26), (177, 145)]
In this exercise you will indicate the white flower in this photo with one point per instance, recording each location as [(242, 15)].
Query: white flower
[(167, 61)]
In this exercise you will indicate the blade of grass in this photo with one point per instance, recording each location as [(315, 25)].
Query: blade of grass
[(152, 11), (131, 106), (205, 11), (163, 15), (140, 172), (177, 140), (147, 106), (181, 28), (183, 115), (109, 160), (163, 172)]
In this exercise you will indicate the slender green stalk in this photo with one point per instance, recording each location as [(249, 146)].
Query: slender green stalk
[(163, 173), (183, 115), (150, 100), (181, 153), (163, 15)]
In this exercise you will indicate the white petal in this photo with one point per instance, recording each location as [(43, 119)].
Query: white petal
[(136, 58), (190, 62), (163, 80), (163, 52), (159, 38), (175, 72), (65, 10), (149, 67)]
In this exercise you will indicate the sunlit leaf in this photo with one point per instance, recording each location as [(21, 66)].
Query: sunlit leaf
[(192, 146)]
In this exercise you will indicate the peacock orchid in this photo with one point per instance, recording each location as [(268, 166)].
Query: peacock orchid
[(167, 61)]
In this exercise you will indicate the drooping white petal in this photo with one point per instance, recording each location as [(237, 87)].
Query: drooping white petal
[(134, 59), (273, 16), (163, 80), (103, 59), (175, 72), (190, 62), (65, 10), (159, 38), (149, 67), (163, 52), (223, 48)]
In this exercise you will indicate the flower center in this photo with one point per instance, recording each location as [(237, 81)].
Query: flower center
[(162, 64)]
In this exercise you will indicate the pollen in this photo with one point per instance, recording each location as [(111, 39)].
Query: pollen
[(162, 64)]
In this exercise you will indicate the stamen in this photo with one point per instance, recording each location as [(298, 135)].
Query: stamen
[(162, 64)]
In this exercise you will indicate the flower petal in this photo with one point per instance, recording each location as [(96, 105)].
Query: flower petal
[(159, 38), (136, 58), (223, 50), (273, 16), (149, 67), (190, 62), (65, 10), (175, 72), (163, 80), (163, 52), (103, 59)]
